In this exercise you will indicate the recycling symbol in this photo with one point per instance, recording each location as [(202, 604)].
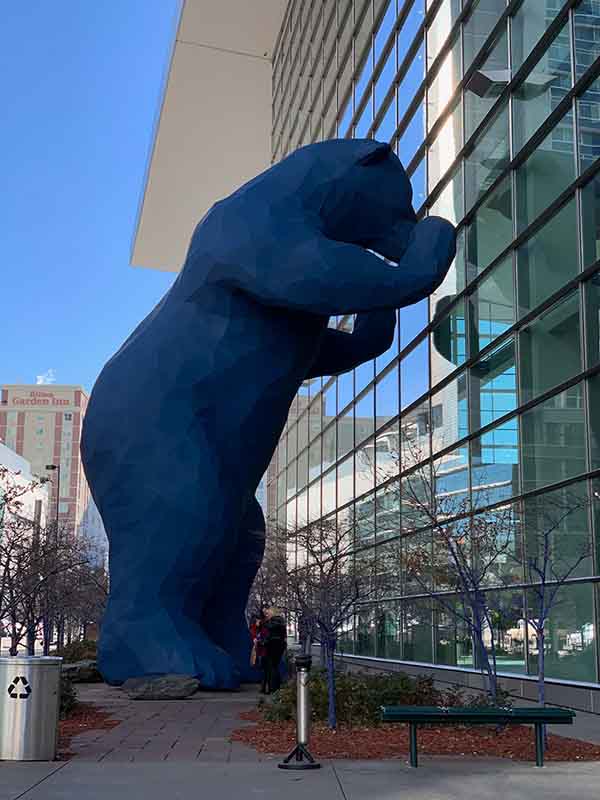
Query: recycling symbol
[(25, 691)]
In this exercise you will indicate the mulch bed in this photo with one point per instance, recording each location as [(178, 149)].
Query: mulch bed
[(391, 741), (85, 717)]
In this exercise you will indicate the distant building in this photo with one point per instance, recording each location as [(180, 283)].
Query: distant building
[(42, 423), (34, 503)]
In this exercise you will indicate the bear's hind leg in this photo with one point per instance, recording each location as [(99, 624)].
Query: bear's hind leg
[(224, 617)]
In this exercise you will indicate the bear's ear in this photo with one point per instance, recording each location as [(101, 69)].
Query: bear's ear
[(379, 153)]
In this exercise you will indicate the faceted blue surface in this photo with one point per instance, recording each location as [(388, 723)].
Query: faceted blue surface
[(184, 418)]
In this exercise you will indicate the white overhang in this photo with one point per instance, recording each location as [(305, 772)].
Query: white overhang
[(214, 128)]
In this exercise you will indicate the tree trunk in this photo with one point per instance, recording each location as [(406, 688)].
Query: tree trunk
[(541, 637), (332, 710)]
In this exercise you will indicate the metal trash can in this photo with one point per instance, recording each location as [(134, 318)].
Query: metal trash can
[(29, 707)]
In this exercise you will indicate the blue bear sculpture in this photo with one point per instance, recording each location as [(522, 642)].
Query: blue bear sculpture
[(184, 418)]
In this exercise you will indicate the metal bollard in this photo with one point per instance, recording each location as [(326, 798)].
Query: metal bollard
[(29, 704), (300, 757)]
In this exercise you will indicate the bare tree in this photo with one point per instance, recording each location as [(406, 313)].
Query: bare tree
[(558, 548), (327, 579)]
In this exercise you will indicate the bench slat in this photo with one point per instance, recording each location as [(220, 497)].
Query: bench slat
[(421, 714)]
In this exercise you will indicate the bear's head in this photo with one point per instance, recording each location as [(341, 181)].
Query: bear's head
[(357, 190)]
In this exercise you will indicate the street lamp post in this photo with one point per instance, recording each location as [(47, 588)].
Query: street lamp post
[(52, 468), (47, 624)]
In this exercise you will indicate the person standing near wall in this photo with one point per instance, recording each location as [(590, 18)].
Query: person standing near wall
[(275, 643)]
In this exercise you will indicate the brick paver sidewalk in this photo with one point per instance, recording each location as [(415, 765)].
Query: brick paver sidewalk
[(196, 729)]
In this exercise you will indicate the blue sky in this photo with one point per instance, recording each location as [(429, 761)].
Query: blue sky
[(80, 84)]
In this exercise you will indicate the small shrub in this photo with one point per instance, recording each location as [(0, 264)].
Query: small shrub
[(68, 697), (78, 651), (360, 696)]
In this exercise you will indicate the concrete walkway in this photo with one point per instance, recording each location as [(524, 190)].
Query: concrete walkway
[(180, 749)]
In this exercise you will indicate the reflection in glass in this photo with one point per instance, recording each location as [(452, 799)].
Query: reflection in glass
[(415, 445), (440, 28), (345, 433), (550, 348), (588, 115), (495, 464), (491, 230), (548, 260), (364, 417), (454, 282), (542, 90), (478, 26), (590, 211), (508, 631), (388, 513), (488, 159), (450, 202), (345, 481), (570, 651), (417, 630), (417, 182), (485, 84), (553, 439), (444, 148), (387, 396), (387, 453), (528, 25), (415, 500), (453, 643), (492, 306), (414, 373), (329, 486), (443, 85), (413, 319), (587, 35), (448, 340), (548, 171), (493, 385), (451, 483), (449, 414)]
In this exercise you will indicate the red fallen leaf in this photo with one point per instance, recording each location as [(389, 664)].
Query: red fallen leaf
[(84, 717)]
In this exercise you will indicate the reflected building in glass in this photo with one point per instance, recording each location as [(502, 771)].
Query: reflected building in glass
[(491, 390)]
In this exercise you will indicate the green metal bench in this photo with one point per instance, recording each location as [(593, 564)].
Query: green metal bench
[(421, 715)]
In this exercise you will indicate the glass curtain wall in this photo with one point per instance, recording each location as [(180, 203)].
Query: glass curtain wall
[(491, 387)]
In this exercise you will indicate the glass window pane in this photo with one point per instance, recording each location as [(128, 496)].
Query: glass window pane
[(528, 25), (508, 630), (548, 171), (440, 28), (413, 78), (553, 439), (364, 417), (444, 148), (492, 306), (414, 374), (416, 630), (449, 414), (329, 485), (556, 332), (387, 127), (570, 636), (491, 230), (495, 464), (345, 481), (453, 643), (314, 459), (548, 259), (488, 159), (493, 385), (413, 136), (451, 483), (386, 78), (345, 385), (588, 112), (384, 359), (387, 454), (592, 300), (419, 188), (345, 433), (485, 84), (413, 319), (543, 89), (387, 397), (448, 341), (365, 120), (363, 375), (590, 211), (443, 85), (587, 36), (454, 282), (594, 403), (450, 201), (479, 25), (365, 468), (414, 436)]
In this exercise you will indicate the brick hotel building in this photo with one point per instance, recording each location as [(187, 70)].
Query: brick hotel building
[(43, 424)]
